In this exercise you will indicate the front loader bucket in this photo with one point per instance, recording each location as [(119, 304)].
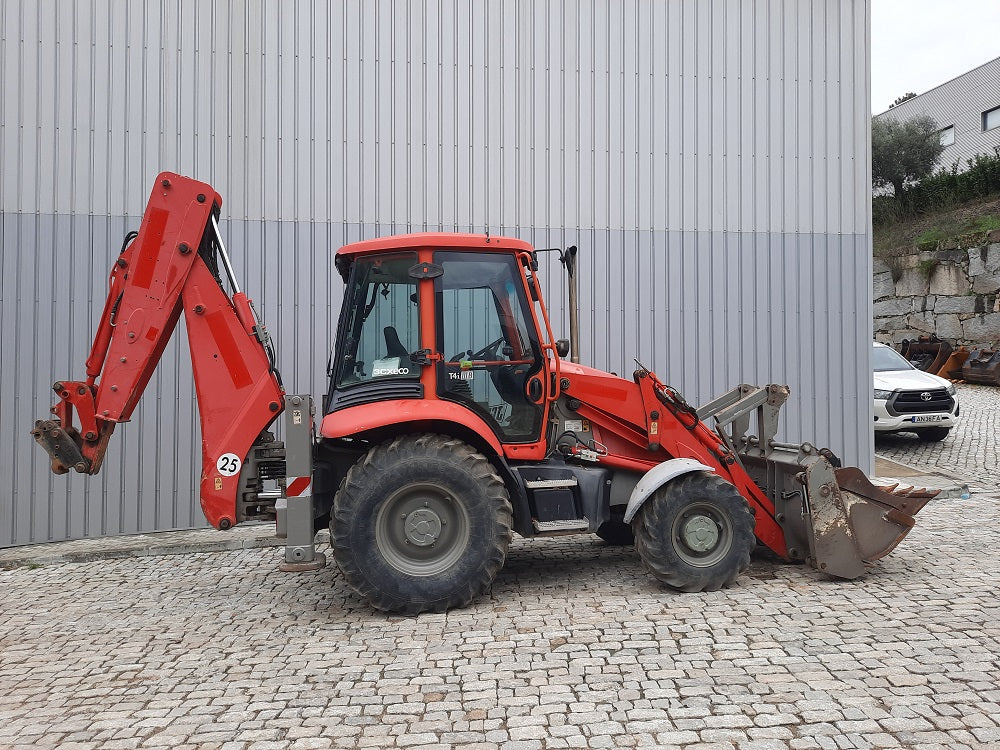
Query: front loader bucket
[(834, 519), (851, 522)]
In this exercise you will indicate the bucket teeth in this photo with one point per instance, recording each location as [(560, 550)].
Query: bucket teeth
[(909, 500), (911, 492), (852, 523)]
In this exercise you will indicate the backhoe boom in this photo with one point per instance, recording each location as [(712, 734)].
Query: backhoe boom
[(172, 266)]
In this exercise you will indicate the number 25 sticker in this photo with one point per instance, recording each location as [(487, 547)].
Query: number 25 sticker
[(228, 464)]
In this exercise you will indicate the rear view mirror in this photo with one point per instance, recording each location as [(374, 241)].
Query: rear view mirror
[(562, 347)]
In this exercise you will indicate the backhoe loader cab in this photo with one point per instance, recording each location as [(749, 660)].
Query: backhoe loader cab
[(452, 421), (441, 318)]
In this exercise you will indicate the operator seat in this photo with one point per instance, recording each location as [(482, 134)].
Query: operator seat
[(393, 346)]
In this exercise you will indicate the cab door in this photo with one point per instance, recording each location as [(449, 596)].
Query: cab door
[(490, 351)]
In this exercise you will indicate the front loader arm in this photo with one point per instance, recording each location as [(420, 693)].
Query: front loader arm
[(171, 267)]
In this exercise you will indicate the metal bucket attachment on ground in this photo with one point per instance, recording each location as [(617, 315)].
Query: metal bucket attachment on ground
[(835, 520), (927, 353), (952, 368), (982, 366)]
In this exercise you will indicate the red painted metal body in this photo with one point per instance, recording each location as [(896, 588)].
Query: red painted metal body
[(159, 275), (434, 240), (411, 415)]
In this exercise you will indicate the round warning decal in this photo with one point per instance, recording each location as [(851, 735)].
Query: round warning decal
[(228, 464)]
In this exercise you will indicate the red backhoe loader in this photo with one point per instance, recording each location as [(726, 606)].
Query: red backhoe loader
[(453, 419)]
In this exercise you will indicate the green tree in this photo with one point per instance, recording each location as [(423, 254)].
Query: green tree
[(903, 152)]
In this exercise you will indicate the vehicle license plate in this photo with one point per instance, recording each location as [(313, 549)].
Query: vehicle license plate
[(928, 418)]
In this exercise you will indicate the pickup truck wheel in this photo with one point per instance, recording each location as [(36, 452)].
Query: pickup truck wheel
[(696, 533), (933, 434), (421, 524)]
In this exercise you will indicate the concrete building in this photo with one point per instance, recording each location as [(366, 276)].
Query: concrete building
[(967, 111), (710, 159)]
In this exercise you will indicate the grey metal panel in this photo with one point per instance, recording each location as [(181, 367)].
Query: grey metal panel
[(959, 102), (710, 159), (551, 114)]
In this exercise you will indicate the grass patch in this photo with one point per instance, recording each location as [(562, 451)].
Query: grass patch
[(968, 224), (988, 223)]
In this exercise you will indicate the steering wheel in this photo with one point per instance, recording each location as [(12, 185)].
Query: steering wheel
[(492, 350)]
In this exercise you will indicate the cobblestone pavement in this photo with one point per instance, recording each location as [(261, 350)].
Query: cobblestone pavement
[(576, 646), (972, 451)]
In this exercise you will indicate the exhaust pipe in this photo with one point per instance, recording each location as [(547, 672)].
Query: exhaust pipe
[(568, 258)]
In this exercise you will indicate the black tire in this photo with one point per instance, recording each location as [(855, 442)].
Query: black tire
[(933, 434), (455, 541), (615, 531), (696, 533)]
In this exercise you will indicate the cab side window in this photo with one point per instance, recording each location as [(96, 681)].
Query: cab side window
[(382, 323)]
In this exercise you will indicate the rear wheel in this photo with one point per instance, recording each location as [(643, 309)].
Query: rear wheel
[(696, 533), (421, 523), (933, 434)]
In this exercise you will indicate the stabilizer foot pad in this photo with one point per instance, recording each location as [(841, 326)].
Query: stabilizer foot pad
[(316, 563)]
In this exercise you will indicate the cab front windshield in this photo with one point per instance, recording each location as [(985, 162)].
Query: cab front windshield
[(885, 359)]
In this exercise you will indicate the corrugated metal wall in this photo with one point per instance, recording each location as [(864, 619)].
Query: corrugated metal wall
[(711, 160), (959, 103)]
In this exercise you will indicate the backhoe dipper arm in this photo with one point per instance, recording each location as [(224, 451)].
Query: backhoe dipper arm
[(172, 266)]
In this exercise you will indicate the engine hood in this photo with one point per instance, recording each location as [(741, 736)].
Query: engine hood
[(907, 380)]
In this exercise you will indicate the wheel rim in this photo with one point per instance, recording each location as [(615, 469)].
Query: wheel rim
[(422, 529), (702, 535)]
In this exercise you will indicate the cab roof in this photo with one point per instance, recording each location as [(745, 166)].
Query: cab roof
[(474, 242)]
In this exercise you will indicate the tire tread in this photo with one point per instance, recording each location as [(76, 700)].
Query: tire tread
[(655, 547), (421, 448)]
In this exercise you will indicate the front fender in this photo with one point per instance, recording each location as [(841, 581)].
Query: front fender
[(658, 476)]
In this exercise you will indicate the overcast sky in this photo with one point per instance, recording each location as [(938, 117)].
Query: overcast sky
[(919, 44)]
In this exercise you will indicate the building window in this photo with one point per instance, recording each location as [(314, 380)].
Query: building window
[(991, 119), (947, 135)]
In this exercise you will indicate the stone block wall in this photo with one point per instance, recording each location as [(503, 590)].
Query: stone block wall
[(953, 293)]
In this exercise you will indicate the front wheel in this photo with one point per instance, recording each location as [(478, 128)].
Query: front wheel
[(421, 523), (696, 533), (933, 434)]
